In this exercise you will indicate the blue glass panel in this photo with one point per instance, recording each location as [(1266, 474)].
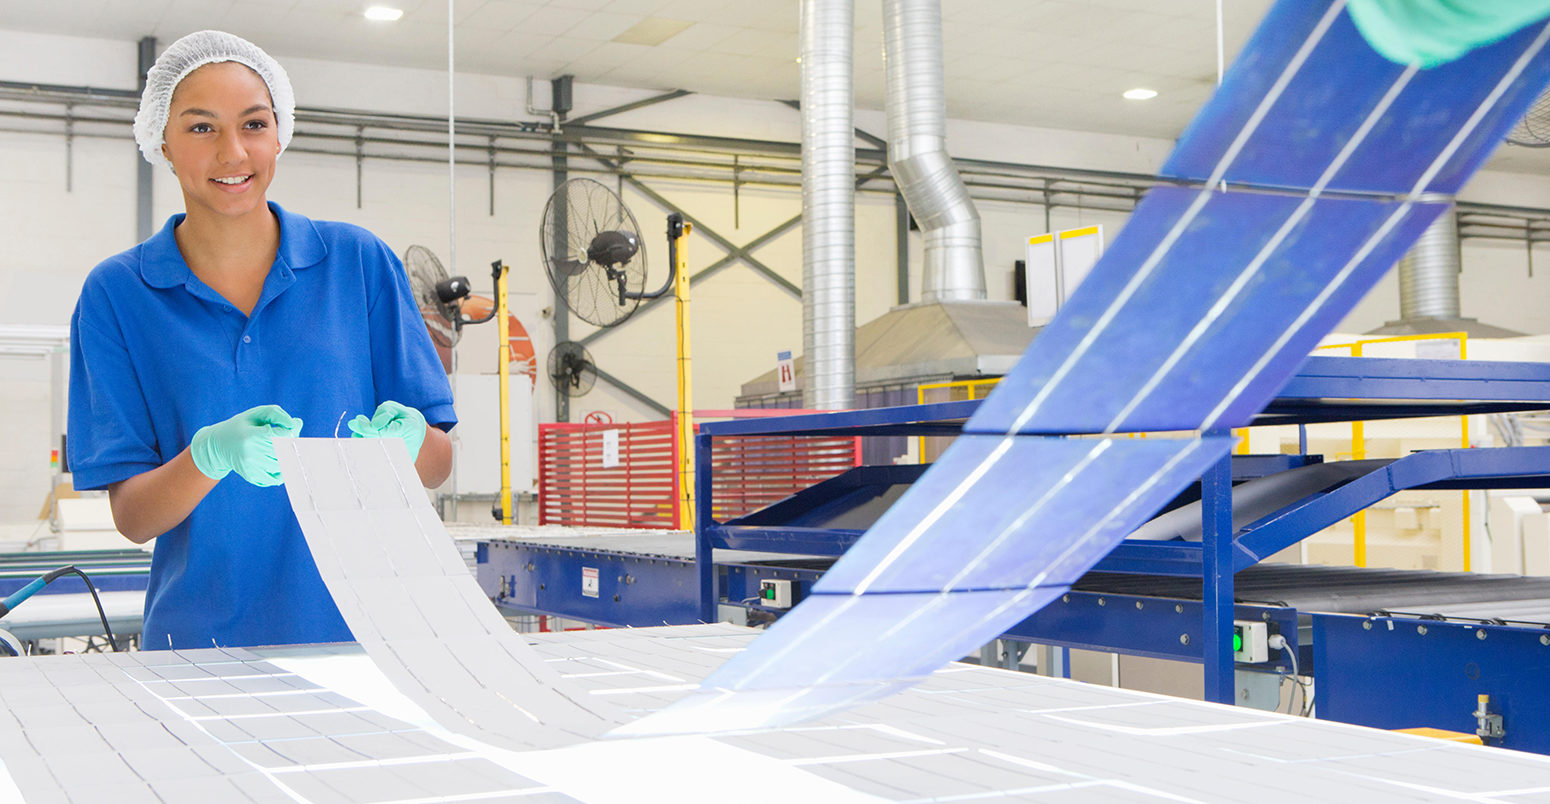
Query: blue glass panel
[(1212, 255), (1335, 89)]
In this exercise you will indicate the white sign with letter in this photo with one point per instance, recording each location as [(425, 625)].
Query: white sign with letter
[(786, 371)]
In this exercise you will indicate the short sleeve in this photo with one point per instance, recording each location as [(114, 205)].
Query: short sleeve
[(404, 365), (111, 437)]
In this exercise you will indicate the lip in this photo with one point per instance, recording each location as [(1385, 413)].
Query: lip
[(234, 188)]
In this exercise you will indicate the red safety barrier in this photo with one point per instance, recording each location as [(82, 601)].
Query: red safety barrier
[(574, 488), (748, 472), (751, 472)]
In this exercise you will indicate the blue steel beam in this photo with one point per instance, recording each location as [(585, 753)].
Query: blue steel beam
[(1392, 378), (1530, 465)]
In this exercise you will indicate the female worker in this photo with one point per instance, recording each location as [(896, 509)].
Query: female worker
[(233, 325)]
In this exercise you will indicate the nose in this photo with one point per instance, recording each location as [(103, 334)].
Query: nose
[(229, 149)]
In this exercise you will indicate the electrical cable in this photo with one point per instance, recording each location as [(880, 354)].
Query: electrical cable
[(1279, 642), (91, 587), (16, 599)]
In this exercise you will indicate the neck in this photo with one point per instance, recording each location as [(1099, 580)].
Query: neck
[(217, 242)]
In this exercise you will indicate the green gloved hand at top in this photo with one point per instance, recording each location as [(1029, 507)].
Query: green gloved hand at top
[(244, 444), (393, 420), (1433, 32)]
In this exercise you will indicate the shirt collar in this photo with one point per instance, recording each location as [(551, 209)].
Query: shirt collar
[(162, 264)]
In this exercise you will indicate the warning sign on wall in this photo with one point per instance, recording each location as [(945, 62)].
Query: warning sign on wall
[(786, 371), (589, 581)]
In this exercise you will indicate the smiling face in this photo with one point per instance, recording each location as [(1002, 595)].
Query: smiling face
[(222, 140)]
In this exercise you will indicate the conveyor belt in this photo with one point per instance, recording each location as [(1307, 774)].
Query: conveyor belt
[(1353, 590), (669, 544)]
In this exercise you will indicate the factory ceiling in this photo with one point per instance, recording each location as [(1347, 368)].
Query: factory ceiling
[(1051, 63)]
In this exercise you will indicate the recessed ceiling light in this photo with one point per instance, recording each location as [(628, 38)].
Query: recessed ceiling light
[(652, 31), (1140, 93), (384, 14)]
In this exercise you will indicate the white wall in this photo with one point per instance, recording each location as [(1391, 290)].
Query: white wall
[(740, 320)]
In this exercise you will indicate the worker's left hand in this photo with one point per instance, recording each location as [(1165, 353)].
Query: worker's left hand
[(393, 420)]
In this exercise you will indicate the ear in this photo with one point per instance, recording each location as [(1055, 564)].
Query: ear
[(167, 155)]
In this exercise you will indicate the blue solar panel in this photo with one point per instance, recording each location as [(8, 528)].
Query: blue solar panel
[(1038, 508), (1329, 95), (1199, 312), (1243, 276)]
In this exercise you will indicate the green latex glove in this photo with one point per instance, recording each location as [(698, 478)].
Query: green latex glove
[(393, 420), (244, 444), (1432, 32)]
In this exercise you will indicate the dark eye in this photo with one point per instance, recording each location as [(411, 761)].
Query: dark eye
[(257, 125), (200, 128)]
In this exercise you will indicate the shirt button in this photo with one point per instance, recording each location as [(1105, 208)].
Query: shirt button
[(247, 338)]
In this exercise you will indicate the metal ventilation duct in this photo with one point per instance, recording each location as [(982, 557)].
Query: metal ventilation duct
[(1429, 272), (828, 205), (954, 269), (1429, 287)]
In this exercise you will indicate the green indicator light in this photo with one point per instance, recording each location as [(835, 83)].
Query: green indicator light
[(769, 593), (1237, 643)]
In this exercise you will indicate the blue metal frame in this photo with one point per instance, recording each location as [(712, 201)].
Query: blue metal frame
[(1327, 389), (1393, 673), (680, 590), (110, 570)]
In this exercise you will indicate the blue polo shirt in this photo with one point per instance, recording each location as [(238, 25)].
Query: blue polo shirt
[(155, 354)]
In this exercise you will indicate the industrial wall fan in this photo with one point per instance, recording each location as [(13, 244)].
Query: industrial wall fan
[(426, 275), (592, 252), (447, 306), (571, 369)]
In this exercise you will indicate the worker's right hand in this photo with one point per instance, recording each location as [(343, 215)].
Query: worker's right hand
[(244, 444)]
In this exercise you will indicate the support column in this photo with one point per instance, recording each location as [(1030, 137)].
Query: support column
[(143, 221), (704, 556), (560, 98), (901, 246), (1216, 559)]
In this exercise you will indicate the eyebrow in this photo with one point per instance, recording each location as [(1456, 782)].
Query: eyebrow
[(207, 113)]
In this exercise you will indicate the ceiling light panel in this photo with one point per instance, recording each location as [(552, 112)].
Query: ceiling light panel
[(384, 13), (652, 31)]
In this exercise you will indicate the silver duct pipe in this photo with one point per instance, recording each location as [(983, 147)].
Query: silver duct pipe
[(954, 268), (828, 205), (1429, 272)]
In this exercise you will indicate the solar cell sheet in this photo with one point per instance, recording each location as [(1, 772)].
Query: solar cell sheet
[(410, 602)]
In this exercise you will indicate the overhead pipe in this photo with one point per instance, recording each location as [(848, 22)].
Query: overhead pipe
[(828, 205), (954, 267)]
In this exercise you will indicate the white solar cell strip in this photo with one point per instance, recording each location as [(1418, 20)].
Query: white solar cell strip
[(219, 725), (92, 727), (971, 733), (410, 602)]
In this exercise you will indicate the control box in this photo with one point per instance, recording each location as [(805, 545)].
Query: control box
[(1250, 641), (775, 594)]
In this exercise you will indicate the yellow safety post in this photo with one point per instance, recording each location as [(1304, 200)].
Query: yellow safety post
[(503, 503), (1464, 444), (678, 233), (1359, 453)]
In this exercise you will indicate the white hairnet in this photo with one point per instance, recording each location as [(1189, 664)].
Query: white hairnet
[(189, 54)]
